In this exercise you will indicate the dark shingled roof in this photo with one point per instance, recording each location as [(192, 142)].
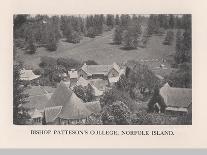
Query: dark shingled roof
[(176, 97)]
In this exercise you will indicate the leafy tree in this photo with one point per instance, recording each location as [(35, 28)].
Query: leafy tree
[(153, 25), (116, 113), (181, 78), (156, 98), (20, 114), (52, 43), (47, 61), (116, 94), (141, 77), (85, 93), (117, 35), (184, 42), (68, 63), (90, 62)]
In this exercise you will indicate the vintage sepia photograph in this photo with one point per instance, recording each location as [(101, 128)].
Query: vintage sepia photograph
[(102, 69)]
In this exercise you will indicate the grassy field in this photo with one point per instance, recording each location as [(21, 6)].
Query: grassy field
[(101, 50)]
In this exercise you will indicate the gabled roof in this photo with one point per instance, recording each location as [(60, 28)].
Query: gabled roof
[(28, 75), (99, 69), (72, 106), (99, 83), (176, 97), (51, 113), (82, 82), (37, 102), (38, 97), (60, 96)]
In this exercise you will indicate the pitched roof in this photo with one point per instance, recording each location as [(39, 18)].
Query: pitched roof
[(82, 82), (99, 83), (35, 90), (28, 75), (72, 106), (94, 106), (97, 92), (113, 79), (74, 109), (37, 102), (51, 113), (99, 69), (60, 96), (38, 97), (176, 97)]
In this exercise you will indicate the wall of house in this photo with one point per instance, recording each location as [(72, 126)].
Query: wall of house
[(113, 73), (37, 121), (83, 74), (72, 121)]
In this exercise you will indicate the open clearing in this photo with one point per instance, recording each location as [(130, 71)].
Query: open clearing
[(101, 50)]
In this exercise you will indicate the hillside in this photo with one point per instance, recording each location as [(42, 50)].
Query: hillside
[(101, 50)]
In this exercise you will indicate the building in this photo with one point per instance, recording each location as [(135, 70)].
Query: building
[(29, 76), (99, 71), (73, 76), (176, 100), (38, 97), (98, 86), (64, 108)]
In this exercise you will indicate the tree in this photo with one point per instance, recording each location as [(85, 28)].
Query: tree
[(117, 20), (140, 77), (117, 35), (184, 42), (116, 113), (172, 21), (32, 47), (110, 20), (169, 38), (90, 62), (52, 43), (68, 63), (20, 114), (181, 78), (91, 32), (156, 98), (85, 93), (131, 35)]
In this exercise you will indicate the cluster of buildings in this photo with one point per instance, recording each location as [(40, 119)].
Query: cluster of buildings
[(61, 105)]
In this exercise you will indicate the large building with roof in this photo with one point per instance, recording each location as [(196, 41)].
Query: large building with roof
[(64, 107), (176, 100), (99, 71), (36, 102)]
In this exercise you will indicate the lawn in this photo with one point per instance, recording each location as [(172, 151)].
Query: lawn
[(102, 51)]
